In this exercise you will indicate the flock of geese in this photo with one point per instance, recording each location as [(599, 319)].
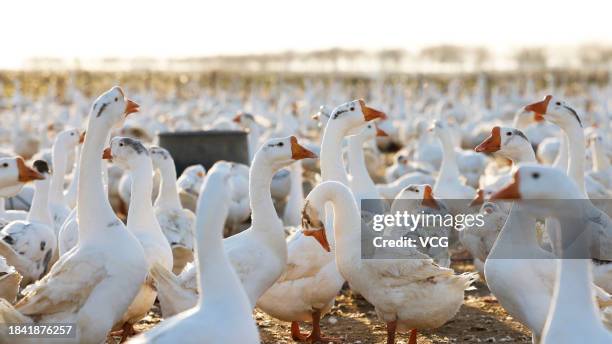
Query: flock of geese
[(285, 233)]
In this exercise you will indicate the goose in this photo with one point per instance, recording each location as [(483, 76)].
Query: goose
[(258, 254), (360, 181), (11, 215), (95, 282), (308, 288), (573, 298), (390, 190), (248, 122), (65, 142), (132, 156), (222, 313), (410, 293), (602, 170), (189, 184), (29, 244), (9, 281), (14, 173), (175, 221), (416, 199), (448, 185), (401, 166)]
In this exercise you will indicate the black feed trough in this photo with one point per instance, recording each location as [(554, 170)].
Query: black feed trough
[(205, 147)]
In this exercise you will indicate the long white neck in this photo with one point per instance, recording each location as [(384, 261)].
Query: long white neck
[(168, 194), (448, 169), (332, 167), (39, 210), (94, 208), (600, 160), (254, 134), (347, 221), (562, 159), (2, 208), (262, 208), (357, 166), (216, 276), (293, 215), (59, 159), (577, 151), (517, 237), (70, 194), (141, 213)]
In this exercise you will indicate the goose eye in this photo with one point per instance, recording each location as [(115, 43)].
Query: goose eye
[(369, 126), (116, 99), (508, 134), (535, 175), (121, 144), (280, 144), (558, 103), (5, 164), (352, 108)]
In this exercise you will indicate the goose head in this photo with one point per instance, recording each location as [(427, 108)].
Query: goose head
[(14, 172), (353, 115), (322, 116), (312, 222), (70, 138), (111, 108), (161, 158), (126, 152), (245, 120), (281, 152), (556, 111), (508, 142), (370, 131), (422, 192), (544, 186)]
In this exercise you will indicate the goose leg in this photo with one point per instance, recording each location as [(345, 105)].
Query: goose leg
[(296, 335), (315, 336), (391, 326), (413, 336)]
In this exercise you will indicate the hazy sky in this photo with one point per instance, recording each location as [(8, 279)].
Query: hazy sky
[(68, 29)]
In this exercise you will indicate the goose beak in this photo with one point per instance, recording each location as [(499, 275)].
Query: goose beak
[(26, 174), (428, 199), (490, 144), (236, 119), (380, 132), (298, 151), (320, 236), (539, 108), (82, 137), (510, 191), (107, 155), (479, 199), (369, 113), (131, 107)]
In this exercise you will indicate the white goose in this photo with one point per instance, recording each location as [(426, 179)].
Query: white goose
[(189, 184), (29, 245), (175, 221), (409, 293), (223, 311), (602, 169), (94, 283), (65, 142), (258, 254), (573, 298), (307, 289), (131, 155)]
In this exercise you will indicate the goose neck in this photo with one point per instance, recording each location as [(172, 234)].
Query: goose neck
[(517, 237), (168, 192), (448, 168), (39, 209), (59, 160), (141, 213), (575, 135), (332, 167), (600, 160), (260, 180), (357, 165)]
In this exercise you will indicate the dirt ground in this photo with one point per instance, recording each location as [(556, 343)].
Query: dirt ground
[(480, 320)]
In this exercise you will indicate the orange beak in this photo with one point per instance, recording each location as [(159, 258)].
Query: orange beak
[(298, 151), (107, 155), (236, 119), (510, 191), (131, 107), (26, 174), (490, 144), (428, 199), (380, 132), (539, 108), (479, 199), (320, 236), (369, 113), (82, 137)]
